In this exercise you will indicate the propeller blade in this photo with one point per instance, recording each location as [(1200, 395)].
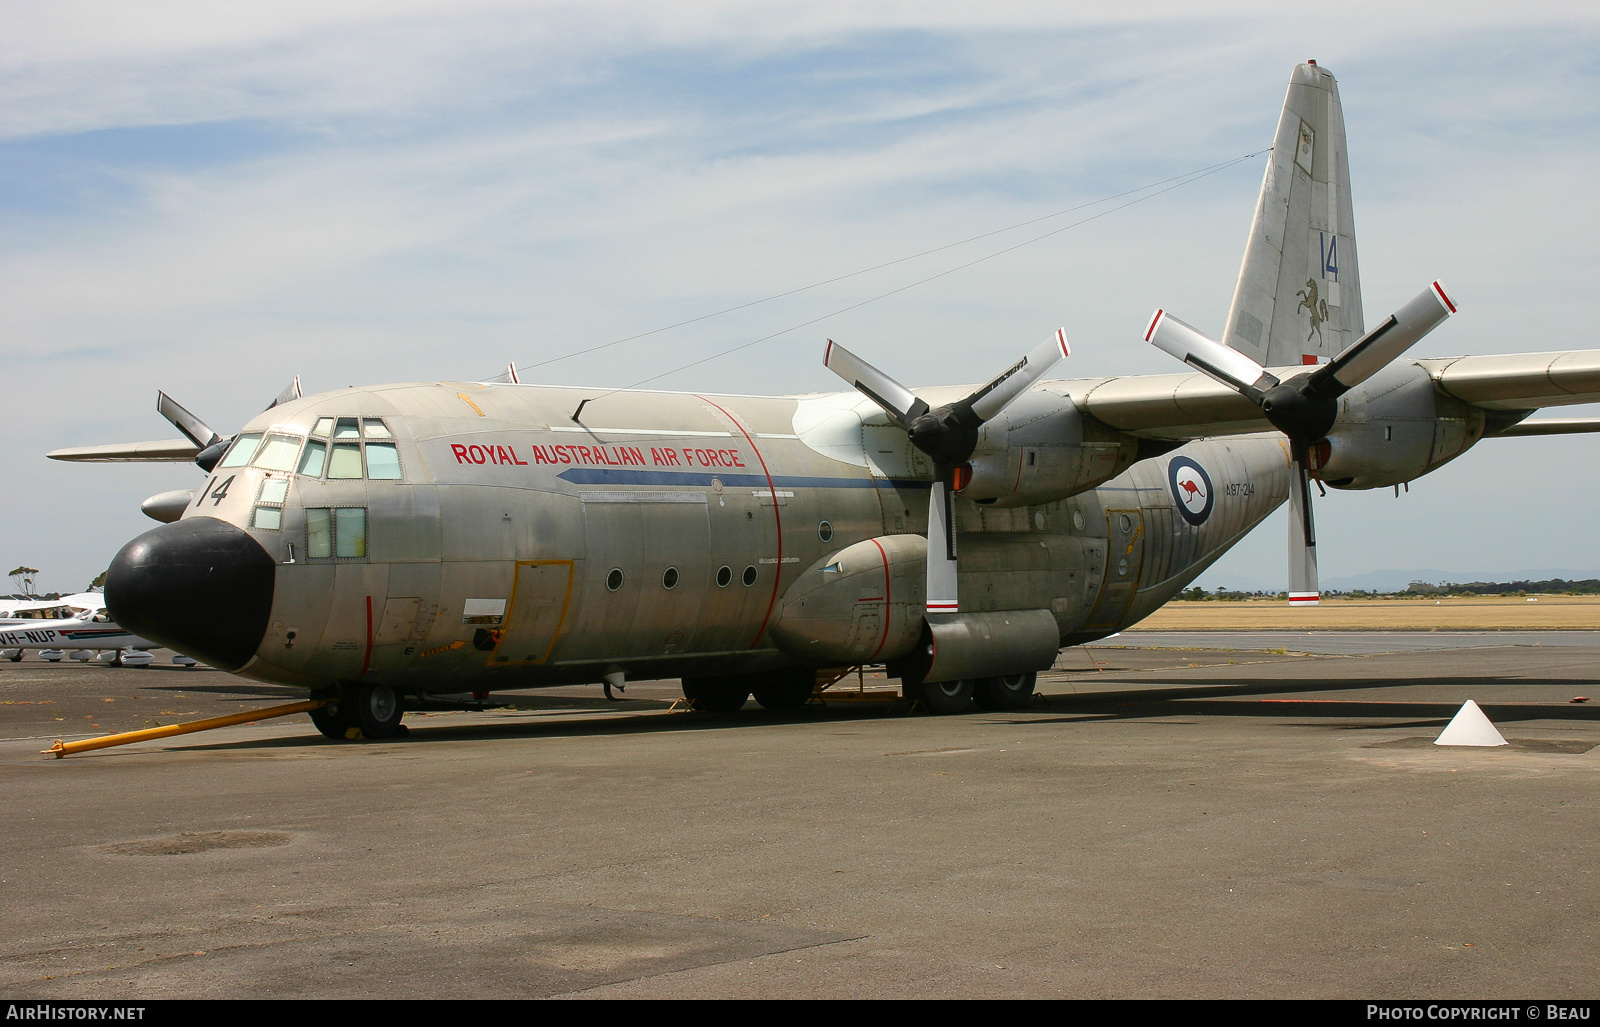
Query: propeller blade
[(895, 398), (941, 585), (1226, 365), (1302, 537), (511, 373), (992, 398), (195, 429), (289, 394), (1373, 351)]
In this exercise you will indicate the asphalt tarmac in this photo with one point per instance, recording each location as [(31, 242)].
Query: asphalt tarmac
[(1229, 821)]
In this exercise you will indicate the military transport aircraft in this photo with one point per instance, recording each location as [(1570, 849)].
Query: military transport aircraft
[(384, 545)]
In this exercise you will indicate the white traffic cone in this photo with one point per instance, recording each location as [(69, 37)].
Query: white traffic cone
[(1470, 727)]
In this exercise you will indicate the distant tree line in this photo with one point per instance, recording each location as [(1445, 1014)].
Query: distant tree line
[(1554, 586), (1588, 586)]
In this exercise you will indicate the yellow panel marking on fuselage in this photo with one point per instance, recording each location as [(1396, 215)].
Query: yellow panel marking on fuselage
[(463, 397)]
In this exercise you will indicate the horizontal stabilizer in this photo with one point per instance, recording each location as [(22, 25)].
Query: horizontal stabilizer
[(167, 451)]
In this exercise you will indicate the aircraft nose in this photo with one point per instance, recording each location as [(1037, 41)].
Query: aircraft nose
[(199, 585)]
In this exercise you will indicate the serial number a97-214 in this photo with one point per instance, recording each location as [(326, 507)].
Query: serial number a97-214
[(1239, 488)]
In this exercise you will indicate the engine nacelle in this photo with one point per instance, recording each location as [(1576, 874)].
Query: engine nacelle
[(1407, 428), (863, 604), (1041, 449), (167, 507)]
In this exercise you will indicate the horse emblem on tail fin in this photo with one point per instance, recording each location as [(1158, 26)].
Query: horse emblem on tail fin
[(1315, 307)]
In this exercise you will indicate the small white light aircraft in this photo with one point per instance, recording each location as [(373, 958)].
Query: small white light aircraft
[(76, 625), (381, 546)]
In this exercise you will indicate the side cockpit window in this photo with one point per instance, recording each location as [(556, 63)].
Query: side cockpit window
[(340, 532), (357, 447)]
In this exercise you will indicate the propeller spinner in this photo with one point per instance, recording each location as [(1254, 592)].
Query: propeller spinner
[(948, 434), (1304, 407)]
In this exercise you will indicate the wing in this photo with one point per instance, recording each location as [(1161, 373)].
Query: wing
[(1169, 406), (1193, 406), (1520, 381), (167, 451)]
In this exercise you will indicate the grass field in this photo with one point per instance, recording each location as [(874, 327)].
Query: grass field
[(1479, 613)]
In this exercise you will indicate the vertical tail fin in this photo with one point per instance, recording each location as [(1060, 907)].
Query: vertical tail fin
[(1298, 299)]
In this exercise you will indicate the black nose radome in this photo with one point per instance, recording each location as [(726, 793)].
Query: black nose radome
[(200, 586)]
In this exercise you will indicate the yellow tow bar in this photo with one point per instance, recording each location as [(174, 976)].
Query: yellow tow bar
[(61, 748)]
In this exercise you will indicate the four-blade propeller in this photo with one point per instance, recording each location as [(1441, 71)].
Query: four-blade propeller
[(948, 434), (212, 445), (1305, 406)]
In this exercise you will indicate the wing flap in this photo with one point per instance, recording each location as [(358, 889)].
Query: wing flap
[(167, 451), (1550, 426), (1520, 381)]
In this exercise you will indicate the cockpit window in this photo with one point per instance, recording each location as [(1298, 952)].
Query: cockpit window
[(346, 460), (244, 447), (361, 447), (315, 456), (278, 453), (383, 461)]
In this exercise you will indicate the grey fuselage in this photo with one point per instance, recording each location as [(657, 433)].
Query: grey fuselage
[(670, 533)]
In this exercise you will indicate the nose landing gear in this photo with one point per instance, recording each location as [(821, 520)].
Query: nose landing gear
[(361, 711)]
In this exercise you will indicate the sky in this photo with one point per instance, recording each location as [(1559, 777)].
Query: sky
[(211, 198)]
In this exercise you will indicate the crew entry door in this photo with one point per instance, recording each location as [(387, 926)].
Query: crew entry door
[(539, 600)]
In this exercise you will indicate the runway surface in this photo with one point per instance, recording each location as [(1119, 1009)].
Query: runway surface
[(1226, 821)]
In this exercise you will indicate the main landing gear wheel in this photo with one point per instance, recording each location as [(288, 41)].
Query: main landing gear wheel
[(329, 719), (947, 696), (373, 709), (787, 691), (1009, 692), (717, 695)]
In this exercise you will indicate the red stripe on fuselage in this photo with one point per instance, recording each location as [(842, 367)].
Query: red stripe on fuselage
[(777, 519)]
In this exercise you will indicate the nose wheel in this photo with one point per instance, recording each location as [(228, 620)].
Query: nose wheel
[(372, 710)]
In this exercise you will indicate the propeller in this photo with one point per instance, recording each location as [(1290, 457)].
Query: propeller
[(948, 434), (212, 445), (1305, 406)]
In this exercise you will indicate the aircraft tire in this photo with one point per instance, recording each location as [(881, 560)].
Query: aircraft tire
[(374, 709), (16, 657), (1009, 692), (717, 694), (330, 721), (947, 696), (787, 691)]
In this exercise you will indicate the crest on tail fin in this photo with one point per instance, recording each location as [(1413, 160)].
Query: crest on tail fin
[(1298, 298)]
